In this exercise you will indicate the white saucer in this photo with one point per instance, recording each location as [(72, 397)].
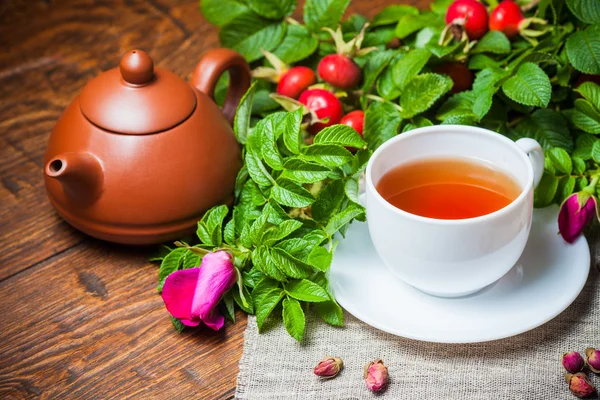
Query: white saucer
[(548, 277)]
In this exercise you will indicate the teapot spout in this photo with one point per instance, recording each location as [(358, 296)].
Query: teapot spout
[(80, 174)]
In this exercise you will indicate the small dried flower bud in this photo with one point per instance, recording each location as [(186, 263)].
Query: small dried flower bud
[(593, 359), (376, 375), (329, 367), (572, 362), (580, 385)]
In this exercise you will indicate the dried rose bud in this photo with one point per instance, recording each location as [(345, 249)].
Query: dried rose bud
[(376, 375), (572, 362), (593, 359), (329, 367), (580, 385)]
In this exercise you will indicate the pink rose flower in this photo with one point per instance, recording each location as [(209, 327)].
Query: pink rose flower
[(575, 213), (192, 294)]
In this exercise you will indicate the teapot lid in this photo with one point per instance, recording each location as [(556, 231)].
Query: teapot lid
[(137, 98)]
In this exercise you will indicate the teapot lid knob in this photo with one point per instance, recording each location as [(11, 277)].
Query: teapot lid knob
[(137, 67)]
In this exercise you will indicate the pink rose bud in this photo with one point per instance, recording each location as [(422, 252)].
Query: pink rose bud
[(593, 359), (376, 375), (329, 367), (192, 294), (573, 362), (580, 385), (575, 213)]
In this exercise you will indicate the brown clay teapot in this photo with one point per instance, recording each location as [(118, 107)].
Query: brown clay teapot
[(140, 155)]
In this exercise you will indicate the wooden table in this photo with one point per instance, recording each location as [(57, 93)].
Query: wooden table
[(80, 318)]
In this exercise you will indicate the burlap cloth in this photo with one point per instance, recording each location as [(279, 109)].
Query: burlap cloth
[(526, 366)]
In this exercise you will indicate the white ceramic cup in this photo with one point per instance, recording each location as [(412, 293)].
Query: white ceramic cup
[(452, 258)]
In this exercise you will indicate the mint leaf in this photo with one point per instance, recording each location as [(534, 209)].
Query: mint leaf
[(191, 260), (301, 171), (324, 13), (482, 61), (385, 84), (297, 44), (578, 165), (566, 186), (587, 11), (327, 155), (241, 122), (493, 42), (409, 66), (266, 306), (417, 122), (320, 258), (459, 104), (262, 259), (248, 33), (330, 312), (382, 121), (212, 10), (291, 133), (290, 265), (591, 92), (281, 231), (392, 14), (359, 162), (377, 62), (269, 125), (548, 127), (257, 228), (342, 218), (272, 9), (213, 221), (170, 264), (290, 194), (530, 86), (306, 290), (583, 50), (257, 170), (583, 146), (409, 24), (293, 318), (545, 191), (586, 117), (422, 92), (228, 306), (328, 201), (351, 189), (561, 160), (341, 135), (596, 151)]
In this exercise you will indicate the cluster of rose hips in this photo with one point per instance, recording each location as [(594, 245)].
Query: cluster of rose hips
[(376, 373), (578, 382)]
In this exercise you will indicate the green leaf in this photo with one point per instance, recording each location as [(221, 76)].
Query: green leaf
[(177, 324), (482, 61), (530, 86), (578, 165), (392, 14), (191, 260), (304, 172), (458, 105), (262, 259), (351, 189), (382, 121), (583, 146), (272, 9), (417, 122), (327, 155), (422, 92), (213, 220), (566, 186), (342, 218), (268, 127), (255, 232), (291, 133), (586, 117), (493, 42), (306, 290), (281, 231), (561, 160), (548, 127), (587, 11), (596, 152), (290, 265), (212, 10), (248, 33), (409, 24), (583, 50), (290, 194), (320, 258), (330, 312), (342, 135), (293, 318), (378, 61), (257, 170), (545, 191), (263, 287), (228, 306), (297, 44), (359, 161), (385, 84), (248, 305), (409, 66), (266, 306), (591, 92), (241, 122), (328, 201), (170, 264), (440, 6), (324, 13)]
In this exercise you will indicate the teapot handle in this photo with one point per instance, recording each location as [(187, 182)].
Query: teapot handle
[(210, 68)]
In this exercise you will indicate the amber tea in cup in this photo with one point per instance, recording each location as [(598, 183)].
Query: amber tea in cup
[(448, 188)]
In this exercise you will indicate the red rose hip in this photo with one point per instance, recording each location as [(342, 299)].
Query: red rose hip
[(471, 14), (325, 105), (295, 81)]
